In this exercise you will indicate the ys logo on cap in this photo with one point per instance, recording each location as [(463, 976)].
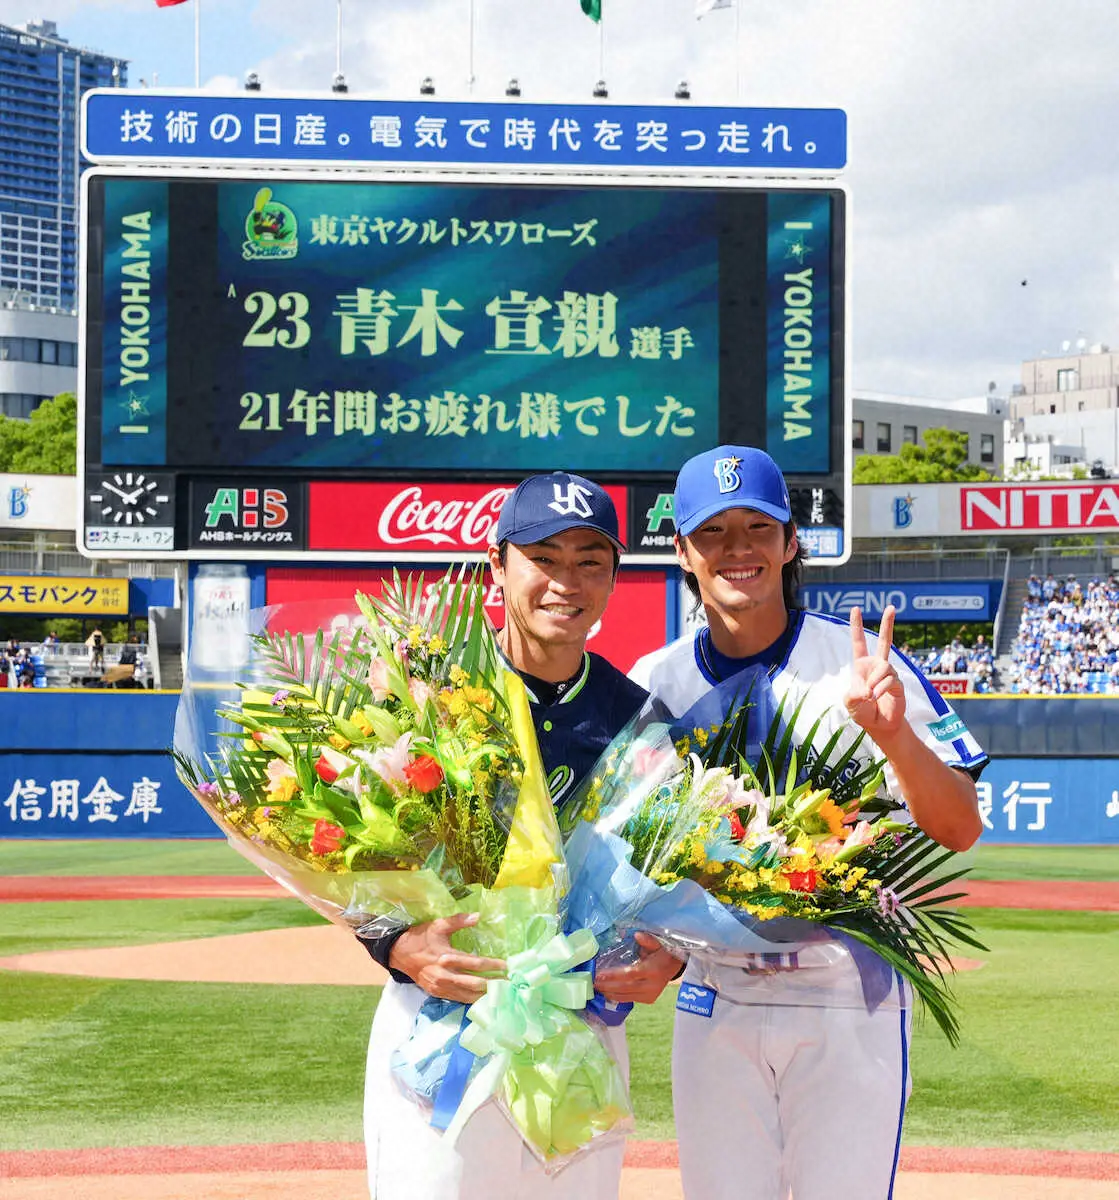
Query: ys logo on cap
[(576, 502), (726, 473)]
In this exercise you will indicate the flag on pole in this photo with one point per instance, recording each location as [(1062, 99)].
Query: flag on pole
[(167, 3), (703, 7), (593, 9)]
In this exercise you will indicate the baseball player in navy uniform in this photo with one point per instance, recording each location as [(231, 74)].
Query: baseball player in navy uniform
[(784, 1078), (555, 556)]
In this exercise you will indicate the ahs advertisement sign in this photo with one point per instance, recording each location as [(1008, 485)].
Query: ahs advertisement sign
[(254, 514)]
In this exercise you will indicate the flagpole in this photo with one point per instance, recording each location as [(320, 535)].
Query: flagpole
[(738, 51), (470, 77), (197, 43), (338, 45), (602, 44)]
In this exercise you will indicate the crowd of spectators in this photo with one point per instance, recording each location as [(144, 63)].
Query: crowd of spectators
[(18, 665), (976, 661), (1068, 637), (50, 664)]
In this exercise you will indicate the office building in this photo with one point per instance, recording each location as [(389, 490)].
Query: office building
[(42, 79)]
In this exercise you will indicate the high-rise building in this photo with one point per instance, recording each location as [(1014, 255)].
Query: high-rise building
[(42, 79)]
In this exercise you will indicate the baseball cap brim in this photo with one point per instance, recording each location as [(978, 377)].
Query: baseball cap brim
[(711, 510), (543, 530)]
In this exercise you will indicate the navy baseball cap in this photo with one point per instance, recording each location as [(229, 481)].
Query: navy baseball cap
[(729, 477), (543, 505)]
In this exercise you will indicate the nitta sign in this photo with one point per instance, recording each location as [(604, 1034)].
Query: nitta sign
[(1039, 508)]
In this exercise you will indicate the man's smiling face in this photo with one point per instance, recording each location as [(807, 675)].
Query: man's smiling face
[(556, 589)]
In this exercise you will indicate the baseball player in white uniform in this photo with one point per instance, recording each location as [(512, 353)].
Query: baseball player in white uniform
[(784, 1076)]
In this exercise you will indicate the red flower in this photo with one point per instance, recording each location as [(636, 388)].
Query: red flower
[(737, 829), (324, 770), (424, 773), (327, 837), (801, 881)]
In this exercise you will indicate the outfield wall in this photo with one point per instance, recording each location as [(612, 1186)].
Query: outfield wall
[(95, 764)]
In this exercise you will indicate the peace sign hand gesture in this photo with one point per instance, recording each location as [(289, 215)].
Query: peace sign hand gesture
[(876, 700)]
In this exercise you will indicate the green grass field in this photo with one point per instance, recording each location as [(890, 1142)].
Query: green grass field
[(87, 1062)]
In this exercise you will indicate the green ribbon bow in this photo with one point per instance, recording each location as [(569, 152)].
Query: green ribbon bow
[(535, 1003), (526, 1008)]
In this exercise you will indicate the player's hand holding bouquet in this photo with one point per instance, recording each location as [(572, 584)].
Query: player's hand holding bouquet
[(713, 833), (391, 769)]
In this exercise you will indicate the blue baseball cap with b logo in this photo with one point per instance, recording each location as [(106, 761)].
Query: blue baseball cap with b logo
[(729, 477), (542, 506)]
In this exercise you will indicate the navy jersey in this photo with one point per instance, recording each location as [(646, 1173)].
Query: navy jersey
[(579, 724)]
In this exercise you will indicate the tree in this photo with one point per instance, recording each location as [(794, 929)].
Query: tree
[(942, 459), (47, 443)]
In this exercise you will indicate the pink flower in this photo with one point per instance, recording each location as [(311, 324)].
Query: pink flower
[(655, 763), (378, 679), (389, 762), (420, 692), (276, 770), (402, 650)]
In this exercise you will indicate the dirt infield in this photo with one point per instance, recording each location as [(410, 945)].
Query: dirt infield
[(1078, 895), (319, 1171)]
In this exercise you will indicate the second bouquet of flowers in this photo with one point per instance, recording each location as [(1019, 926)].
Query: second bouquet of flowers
[(721, 837), (391, 769)]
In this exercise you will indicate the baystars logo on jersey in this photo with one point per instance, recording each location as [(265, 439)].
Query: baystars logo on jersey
[(574, 503), (726, 474)]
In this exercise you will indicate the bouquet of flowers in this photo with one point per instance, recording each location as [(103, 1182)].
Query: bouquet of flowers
[(733, 855), (391, 769)]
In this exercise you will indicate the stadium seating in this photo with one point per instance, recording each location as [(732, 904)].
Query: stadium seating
[(1068, 638), (977, 662)]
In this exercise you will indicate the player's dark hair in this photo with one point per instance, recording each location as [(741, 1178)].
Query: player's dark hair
[(791, 574)]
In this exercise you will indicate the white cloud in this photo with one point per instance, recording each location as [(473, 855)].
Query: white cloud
[(980, 136)]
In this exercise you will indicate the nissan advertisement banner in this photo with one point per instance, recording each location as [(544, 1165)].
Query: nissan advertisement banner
[(936, 601)]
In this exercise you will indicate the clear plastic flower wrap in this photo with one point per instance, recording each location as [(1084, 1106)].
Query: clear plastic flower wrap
[(389, 767), (718, 835)]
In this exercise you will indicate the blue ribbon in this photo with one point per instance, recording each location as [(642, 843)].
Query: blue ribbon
[(451, 1090)]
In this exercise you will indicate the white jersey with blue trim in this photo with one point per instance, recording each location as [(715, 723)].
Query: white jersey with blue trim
[(814, 671)]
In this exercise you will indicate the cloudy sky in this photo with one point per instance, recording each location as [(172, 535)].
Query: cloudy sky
[(984, 157)]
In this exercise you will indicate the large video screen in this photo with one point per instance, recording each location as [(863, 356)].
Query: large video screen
[(304, 329)]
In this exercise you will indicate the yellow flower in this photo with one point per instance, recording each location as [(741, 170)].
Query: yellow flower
[(713, 868), (457, 704), (281, 788), (415, 635), (363, 723), (458, 676), (832, 815), (437, 645), (700, 736), (339, 742), (480, 697), (682, 747)]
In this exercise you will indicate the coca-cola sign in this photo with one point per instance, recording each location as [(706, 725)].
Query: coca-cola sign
[(440, 520), (1039, 507)]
